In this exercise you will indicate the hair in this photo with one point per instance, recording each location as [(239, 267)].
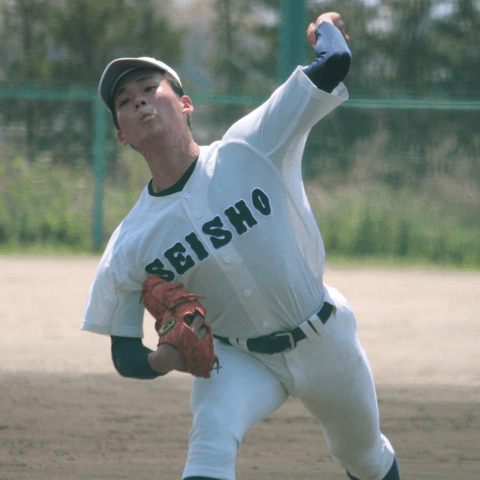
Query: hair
[(176, 87)]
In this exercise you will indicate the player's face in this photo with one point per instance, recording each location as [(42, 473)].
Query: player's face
[(147, 108)]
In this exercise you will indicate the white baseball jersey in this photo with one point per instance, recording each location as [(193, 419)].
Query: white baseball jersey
[(241, 233)]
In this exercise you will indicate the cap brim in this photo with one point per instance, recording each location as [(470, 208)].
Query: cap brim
[(117, 69)]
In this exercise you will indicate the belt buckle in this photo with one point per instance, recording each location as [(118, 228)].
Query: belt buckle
[(291, 340)]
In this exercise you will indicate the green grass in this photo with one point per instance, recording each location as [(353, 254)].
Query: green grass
[(333, 260), (381, 223), (45, 251), (389, 263), (48, 206), (46, 210)]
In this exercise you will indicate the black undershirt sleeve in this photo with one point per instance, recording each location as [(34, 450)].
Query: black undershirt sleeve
[(333, 58), (129, 356)]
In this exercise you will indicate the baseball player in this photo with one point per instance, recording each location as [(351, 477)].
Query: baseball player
[(230, 222)]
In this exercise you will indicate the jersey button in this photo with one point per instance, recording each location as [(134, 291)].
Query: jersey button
[(265, 324), (247, 293), (227, 260), (186, 194), (198, 214)]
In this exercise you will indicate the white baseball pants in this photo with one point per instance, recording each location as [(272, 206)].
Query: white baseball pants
[(329, 373)]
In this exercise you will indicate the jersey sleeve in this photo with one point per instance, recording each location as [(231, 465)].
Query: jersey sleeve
[(283, 122), (113, 304)]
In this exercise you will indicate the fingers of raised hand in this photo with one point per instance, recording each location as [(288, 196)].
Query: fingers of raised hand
[(331, 17), (311, 34), (341, 26)]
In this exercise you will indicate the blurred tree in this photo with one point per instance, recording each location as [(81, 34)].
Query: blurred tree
[(456, 42), (419, 48), (434, 51), (424, 48), (67, 44), (24, 40), (24, 46), (227, 64), (90, 33), (266, 59)]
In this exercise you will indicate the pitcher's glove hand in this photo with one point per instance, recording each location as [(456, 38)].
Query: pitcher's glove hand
[(174, 310)]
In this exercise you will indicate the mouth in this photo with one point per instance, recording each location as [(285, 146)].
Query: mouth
[(146, 117)]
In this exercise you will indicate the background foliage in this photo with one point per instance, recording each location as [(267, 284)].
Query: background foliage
[(392, 183)]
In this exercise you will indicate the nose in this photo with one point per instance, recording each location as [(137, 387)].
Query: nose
[(139, 104)]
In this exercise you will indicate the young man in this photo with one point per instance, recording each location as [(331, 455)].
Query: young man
[(231, 221)]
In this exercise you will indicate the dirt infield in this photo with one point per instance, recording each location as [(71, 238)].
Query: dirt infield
[(65, 414)]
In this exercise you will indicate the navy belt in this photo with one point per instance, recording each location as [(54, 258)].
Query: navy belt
[(281, 341)]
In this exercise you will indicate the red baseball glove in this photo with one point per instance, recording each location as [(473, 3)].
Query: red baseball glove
[(174, 310)]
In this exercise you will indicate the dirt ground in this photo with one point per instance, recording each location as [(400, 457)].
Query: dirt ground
[(65, 413)]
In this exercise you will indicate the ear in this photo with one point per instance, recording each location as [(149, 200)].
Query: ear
[(122, 138), (187, 104)]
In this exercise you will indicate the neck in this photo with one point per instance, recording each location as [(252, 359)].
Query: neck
[(168, 164)]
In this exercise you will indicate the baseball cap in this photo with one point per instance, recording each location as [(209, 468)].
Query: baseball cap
[(117, 69)]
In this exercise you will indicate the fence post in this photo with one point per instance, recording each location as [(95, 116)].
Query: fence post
[(99, 151), (292, 37)]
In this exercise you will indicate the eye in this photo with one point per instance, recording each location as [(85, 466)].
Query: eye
[(124, 102), (150, 88)]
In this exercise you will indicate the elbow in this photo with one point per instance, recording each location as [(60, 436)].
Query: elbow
[(120, 358), (340, 65), (116, 356), (345, 62), (124, 372), (327, 73)]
